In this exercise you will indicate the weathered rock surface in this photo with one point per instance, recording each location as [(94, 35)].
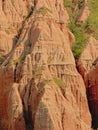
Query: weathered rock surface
[(87, 65), (6, 81), (84, 13), (92, 93), (16, 109), (88, 56), (45, 91)]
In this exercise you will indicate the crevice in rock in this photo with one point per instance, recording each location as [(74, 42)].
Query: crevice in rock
[(27, 107), (35, 3), (92, 107), (30, 13), (19, 37), (28, 119), (63, 119), (15, 72), (92, 103), (3, 1)]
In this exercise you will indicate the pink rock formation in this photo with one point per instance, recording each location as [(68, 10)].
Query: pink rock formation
[(6, 43), (45, 91), (88, 56), (92, 93), (87, 65), (6, 81), (85, 12), (16, 109)]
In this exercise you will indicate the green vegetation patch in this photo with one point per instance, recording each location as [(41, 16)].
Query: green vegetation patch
[(16, 61), (79, 30), (38, 72), (43, 11), (93, 18), (59, 82), (66, 3), (84, 30), (80, 36), (22, 57)]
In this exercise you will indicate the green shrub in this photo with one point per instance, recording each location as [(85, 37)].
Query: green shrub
[(43, 82), (59, 82), (79, 31), (80, 3), (16, 61), (84, 30), (22, 57), (66, 3), (43, 11), (49, 59), (77, 50), (38, 72), (81, 39), (93, 18)]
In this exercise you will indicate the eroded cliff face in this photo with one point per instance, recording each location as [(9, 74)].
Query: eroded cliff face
[(88, 67), (40, 87)]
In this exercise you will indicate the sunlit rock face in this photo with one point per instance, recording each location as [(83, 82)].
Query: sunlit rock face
[(40, 85)]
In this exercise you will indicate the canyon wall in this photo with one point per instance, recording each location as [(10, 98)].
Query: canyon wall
[(88, 67), (40, 87)]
